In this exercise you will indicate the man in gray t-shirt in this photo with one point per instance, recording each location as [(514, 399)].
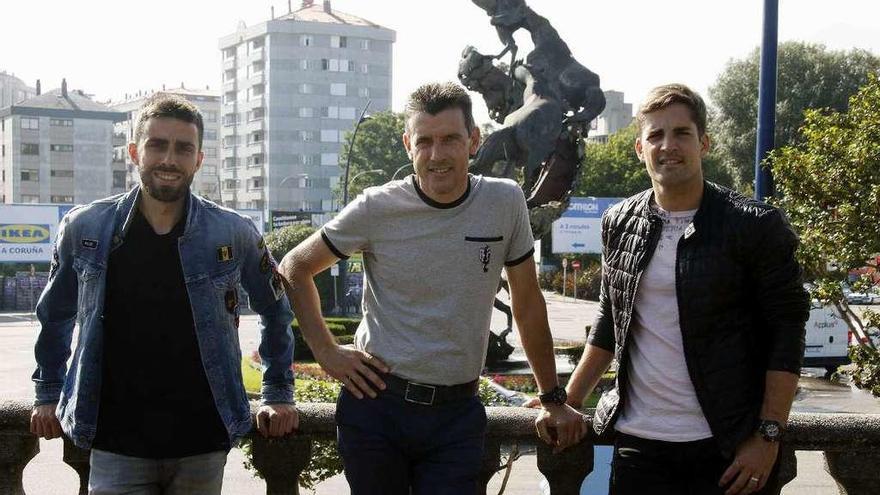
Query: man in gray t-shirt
[(434, 245)]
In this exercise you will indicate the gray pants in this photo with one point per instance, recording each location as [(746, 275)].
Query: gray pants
[(114, 474)]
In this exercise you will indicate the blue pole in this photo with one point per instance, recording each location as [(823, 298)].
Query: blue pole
[(767, 100)]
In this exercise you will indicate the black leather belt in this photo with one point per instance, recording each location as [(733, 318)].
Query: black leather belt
[(428, 395)]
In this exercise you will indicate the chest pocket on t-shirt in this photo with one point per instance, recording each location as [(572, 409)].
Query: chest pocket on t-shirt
[(482, 250)]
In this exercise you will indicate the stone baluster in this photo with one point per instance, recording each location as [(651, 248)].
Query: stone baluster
[(17, 445), (78, 459), (856, 472), (565, 471), (491, 462), (280, 461)]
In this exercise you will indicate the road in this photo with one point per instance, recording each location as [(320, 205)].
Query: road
[(46, 473)]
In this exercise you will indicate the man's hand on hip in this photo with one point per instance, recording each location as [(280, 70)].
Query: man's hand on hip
[(44, 423), (560, 426), (354, 369), (750, 468), (276, 420)]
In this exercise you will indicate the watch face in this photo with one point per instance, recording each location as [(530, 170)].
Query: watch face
[(770, 430)]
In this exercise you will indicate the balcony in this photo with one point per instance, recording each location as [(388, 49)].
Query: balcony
[(851, 443)]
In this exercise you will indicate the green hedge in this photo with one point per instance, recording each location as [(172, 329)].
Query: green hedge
[(341, 328)]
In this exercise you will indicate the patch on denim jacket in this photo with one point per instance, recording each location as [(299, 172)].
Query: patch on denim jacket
[(90, 243), (265, 263), (224, 253), (231, 300)]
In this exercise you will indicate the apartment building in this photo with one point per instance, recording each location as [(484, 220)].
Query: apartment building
[(292, 87), (616, 115), (57, 147)]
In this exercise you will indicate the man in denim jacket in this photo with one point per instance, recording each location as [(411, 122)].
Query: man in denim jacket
[(151, 278)]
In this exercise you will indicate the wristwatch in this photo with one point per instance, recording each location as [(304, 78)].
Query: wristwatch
[(556, 395), (770, 431)]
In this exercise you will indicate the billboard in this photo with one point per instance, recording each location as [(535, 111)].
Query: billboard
[(281, 219), (256, 216), (579, 229), (28, 231)]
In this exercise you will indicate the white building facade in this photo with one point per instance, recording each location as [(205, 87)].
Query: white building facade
[(292, 87), (616, 115)]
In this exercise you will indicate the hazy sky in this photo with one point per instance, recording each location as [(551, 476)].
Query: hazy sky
[(109, 48)]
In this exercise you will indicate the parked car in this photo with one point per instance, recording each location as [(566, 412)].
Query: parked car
[(827, 338)]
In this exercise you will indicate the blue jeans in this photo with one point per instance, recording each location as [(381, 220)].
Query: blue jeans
[(114, 474), (389, 446)]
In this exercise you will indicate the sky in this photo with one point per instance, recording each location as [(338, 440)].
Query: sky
[(110, 48)]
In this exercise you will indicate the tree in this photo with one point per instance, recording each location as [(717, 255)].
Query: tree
[(281, 241), (829, 184), (809, 76), (379, 145), (612, 169)]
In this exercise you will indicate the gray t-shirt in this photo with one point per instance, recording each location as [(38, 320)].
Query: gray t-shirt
[(431, 271)]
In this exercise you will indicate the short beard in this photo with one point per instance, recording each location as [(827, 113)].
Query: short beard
[(166, 194)]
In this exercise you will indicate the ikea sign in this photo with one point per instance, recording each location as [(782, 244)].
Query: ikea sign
[(24, 234)]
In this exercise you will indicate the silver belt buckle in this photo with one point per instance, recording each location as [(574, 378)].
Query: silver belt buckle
[(407, 398)]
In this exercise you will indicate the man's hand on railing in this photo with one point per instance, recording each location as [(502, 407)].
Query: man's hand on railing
[(44, 423), (276, 420), (560, 426)]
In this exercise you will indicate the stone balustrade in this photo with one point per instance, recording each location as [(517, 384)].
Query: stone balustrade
[(851, 444)]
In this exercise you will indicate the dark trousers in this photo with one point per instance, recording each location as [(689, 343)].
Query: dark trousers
[(390, 446), (643, 466)]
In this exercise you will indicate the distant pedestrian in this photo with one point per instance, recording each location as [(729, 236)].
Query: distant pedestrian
[(152, 277), (703, 308)]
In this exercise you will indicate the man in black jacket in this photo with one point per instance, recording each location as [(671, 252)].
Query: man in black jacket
[(703, 307)]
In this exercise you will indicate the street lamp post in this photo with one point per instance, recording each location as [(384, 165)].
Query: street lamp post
[(405, 165), (767, 100), (343, 268)]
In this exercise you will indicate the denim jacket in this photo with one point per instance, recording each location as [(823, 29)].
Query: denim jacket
[(219, 250)]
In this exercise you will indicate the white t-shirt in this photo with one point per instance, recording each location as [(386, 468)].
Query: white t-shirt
[(660, 402)]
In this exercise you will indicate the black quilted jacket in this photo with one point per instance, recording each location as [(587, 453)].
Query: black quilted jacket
[(742, 306)]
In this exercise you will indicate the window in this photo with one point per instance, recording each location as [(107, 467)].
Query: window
[(329, 158), (306, 112), (364, 92), (230, 184), (365, 44), (338, 41), (306, 40), (210, 116), (309, 160), (255, 183), (3, 150), (257, 68), (306, 88), (257, 90), (231, 141), (210, 135), (30, 198), (255, 160), (337, 89), (330, 112), (230, 119), (211, 152), (365, 68), (255, 137), (329, 136), (118, 179), (230, 162), (30, 149), (228, 52), (61, 147), (306, 135), (229, 75), (30, 175), (61, 122), (304, 64), (258, 43), (229, 97), (30, 123), (256, 113), (60, 199), (347, 113), (62, 173), (209, 170)]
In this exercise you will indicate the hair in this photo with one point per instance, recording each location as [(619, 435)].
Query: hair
[(433, 98), (670, 94), (169, 106)]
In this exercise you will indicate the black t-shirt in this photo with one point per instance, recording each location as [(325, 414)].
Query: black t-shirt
[(155, 397)]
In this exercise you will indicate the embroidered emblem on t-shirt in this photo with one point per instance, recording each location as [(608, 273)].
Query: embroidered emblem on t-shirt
[(224, 253), (90, 243), (485, 257)]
